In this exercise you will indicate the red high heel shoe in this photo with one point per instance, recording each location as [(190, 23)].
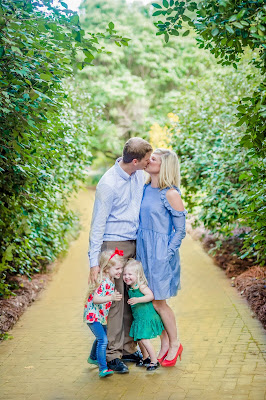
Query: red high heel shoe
[(171, 363), (162, 358)]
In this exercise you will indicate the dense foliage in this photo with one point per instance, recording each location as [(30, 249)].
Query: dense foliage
[(44, 146), (228, 29), (139, 84)]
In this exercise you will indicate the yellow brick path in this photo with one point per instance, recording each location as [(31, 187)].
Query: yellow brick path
[(223, 354)]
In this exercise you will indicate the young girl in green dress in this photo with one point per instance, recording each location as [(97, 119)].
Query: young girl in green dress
[(147, 324)]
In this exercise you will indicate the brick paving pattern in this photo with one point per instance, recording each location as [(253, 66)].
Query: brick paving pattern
[(224, 347)]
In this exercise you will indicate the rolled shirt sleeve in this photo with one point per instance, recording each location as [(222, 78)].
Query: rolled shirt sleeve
[(102, 208)]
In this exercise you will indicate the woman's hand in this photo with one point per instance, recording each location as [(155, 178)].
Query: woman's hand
[(133, 300), (116, 296)]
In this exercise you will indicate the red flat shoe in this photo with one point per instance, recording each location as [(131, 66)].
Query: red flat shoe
[(162, 358), (171, 363)]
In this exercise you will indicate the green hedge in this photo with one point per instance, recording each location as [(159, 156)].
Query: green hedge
[(44, 145)]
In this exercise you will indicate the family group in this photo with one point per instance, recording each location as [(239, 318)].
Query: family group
[(136, 232)]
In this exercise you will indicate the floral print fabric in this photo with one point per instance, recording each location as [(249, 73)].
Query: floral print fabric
[(99, 312)]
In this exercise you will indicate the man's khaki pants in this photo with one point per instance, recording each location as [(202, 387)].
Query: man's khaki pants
[(120, 316)]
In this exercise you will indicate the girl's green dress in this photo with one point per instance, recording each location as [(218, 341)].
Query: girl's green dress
[(147, 324)]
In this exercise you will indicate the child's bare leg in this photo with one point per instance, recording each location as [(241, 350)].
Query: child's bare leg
[(149, 347), (143, 350)]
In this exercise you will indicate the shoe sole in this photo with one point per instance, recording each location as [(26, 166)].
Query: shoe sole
[(120, 372), (92, 362), (105, 376)]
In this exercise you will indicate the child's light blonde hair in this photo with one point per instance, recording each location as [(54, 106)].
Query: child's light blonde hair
[(169, 174), (105, 264), (138, 269)]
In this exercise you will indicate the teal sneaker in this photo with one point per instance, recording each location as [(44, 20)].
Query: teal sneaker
[(105, 372), (91, 361)]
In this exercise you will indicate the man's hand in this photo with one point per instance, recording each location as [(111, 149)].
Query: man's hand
[(133, 300), (116, 296), (94, 271)]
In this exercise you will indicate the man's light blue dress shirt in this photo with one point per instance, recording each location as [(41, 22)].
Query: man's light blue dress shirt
[(116, 209)]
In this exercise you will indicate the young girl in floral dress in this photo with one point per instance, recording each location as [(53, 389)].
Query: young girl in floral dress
[(147, 324), (98, 303)]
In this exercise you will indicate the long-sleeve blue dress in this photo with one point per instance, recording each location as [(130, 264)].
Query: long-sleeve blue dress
[(159, 237)]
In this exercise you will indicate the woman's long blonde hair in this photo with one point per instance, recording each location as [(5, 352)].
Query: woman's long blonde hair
[(105, 265), (141, 278), (169, 174)]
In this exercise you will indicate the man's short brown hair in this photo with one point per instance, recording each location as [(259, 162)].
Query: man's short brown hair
[(135, 148)]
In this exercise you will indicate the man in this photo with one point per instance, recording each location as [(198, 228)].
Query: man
[(114, 224)]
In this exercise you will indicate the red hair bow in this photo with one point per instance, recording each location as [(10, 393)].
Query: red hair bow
[(118, 252)]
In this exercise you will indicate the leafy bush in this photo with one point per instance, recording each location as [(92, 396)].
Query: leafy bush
[(233, 192), (44, 146)]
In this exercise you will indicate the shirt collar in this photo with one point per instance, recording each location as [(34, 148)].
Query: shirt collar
[(120, 170)]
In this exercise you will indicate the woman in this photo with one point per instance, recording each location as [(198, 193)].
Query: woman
[(161, 230)]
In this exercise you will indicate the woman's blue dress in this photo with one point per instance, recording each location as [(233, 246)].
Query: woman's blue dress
[(159, 237)]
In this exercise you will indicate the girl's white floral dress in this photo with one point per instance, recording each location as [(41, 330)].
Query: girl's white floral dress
[(99, 312)]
